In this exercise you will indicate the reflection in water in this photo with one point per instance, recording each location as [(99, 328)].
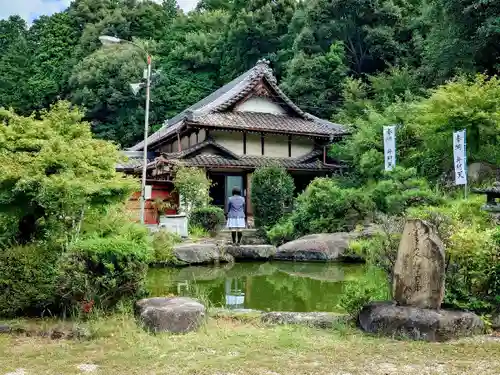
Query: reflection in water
[(276, 286), (235, 297)]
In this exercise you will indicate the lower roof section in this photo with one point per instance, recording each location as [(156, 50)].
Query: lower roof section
[(252, 162)]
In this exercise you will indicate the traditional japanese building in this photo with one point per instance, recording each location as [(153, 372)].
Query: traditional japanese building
[(245, 124)]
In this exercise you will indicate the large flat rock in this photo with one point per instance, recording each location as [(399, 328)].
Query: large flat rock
[(175, 315), (325, 247), (202, 253), (415, 323), (251, 252), (311, 319)]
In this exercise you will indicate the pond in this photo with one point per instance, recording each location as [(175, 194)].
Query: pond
[(276, 286)]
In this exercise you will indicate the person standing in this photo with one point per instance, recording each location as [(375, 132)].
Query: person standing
[(236, 215)]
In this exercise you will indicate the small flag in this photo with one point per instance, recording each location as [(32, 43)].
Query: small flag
[(460, 157), (390, 147)]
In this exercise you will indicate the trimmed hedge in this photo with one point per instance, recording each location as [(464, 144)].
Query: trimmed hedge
[(272, 191), (28, 280), (102, 271)]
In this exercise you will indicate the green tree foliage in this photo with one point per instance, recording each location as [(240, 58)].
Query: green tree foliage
[(51, 39), (364, 150), (193, 187), (470, 104), (314, 81), (52, 171), (272, 190), (425, 126), (255, 31), (372, 31), (189, 59), (208, 5), (101, 84), (462, 36), (392, 52), (15, 65), (401, 189)]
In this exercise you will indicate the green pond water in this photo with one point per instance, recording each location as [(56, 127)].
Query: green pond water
[(276, 286)]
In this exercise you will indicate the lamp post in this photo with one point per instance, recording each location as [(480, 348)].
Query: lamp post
[(108, 40)]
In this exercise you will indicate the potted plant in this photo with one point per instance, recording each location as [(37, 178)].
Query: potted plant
[(164, 207)]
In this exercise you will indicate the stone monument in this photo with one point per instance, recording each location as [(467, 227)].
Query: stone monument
[(418, 291), (419, 271)]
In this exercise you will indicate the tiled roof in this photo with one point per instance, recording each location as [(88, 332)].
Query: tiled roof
[(130, 164), (266, 122), (228, 95), (205, 160), (196, 156), (200, 146)]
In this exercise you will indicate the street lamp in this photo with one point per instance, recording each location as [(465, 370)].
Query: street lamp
[(108, 40)]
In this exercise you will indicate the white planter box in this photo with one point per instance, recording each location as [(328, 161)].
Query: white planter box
[(175, 224)]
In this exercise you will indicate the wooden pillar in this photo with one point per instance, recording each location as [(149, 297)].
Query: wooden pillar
[(249, 194)]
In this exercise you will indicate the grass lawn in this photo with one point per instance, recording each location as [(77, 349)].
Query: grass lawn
[(226, 346)]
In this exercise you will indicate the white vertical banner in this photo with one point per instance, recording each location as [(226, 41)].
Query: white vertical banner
[(390, 147), (148, 192), (460, 157)]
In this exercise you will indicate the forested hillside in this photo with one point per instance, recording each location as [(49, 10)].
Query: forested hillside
[(335, 58)]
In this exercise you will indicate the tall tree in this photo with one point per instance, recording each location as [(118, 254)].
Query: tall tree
[(210, 5), (369, 29), (463, 36), (256, 30), (315, 81), (52, 40), (15, 65), (51, 171), (101, 84)]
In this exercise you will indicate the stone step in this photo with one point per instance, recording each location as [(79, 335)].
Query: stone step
[(250, 237)]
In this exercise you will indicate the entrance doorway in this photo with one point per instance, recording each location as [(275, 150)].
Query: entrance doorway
[(234, 182), (222, 187)]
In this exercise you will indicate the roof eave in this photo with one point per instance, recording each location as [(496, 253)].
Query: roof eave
[(257, 130)]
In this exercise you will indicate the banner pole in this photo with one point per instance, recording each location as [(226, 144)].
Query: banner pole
[(465, 165)]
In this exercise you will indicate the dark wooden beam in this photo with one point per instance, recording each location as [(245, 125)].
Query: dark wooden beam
[(262, 143)]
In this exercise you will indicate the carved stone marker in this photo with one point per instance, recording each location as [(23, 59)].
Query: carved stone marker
[(419, 271)]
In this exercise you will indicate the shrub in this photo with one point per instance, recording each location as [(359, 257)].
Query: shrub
[(163, 247), (326, 207), (272, 190), (401, 189), (372, 286), (114, 221), (381, 249), (193, 187), (28, 280), (102, 271), (210, 218), (282, 232)]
